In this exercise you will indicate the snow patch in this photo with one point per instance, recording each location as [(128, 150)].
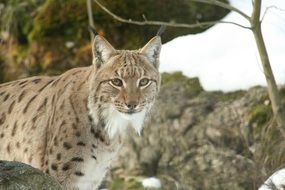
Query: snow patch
[(151, 182), (225, 56)]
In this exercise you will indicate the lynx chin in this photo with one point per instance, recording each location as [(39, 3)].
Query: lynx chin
[(72, 126)]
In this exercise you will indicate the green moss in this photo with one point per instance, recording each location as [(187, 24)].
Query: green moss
[(67, 23), (17, 16), (192, 86), (230, 96), (260, 114), (119, 183)]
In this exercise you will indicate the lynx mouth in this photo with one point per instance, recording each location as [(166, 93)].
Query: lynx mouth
[(129, 111)]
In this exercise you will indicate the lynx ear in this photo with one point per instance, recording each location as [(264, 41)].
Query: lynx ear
[(152, 50), (102, 51)]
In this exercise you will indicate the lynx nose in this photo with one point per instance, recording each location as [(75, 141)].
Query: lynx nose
[(131, 105)]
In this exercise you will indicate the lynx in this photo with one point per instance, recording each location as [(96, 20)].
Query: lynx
[(72, 126)]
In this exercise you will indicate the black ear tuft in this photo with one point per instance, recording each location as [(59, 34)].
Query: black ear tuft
[(92, 30)]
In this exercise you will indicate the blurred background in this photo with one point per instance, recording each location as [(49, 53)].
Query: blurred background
[(211, 128)]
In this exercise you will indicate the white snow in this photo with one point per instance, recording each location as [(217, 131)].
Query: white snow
[(151, 182), (225, 56), (277, 179)]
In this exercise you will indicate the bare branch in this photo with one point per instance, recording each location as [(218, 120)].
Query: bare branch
[(224, 5), (90, 17), (169, 24), (271, 7)]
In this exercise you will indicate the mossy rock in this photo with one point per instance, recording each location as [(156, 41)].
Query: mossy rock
[(231, 96), (259, 116), (20, 176), (120, 183), (192, 85), (68, 23)]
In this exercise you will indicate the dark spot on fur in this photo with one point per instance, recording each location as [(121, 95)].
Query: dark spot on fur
[(54, 166), (80, 143), (77, 159), (28, 104), (3, 118), (55, 142), (23, 82), (58, 156), (14, 129), (62, 123), (90, 118), (78, 173), (18, 144), (21, 96), (11, 107), (67, 145), (65, 167), (45, 85), (94, 157), (92, 131), (77, 134), (43, 104), (34, 119), (36, 81), (26, 150), (98, 135), (6, 97), (8, 148), (94, 146), (47, 171), (74, 126), (46, 163), (50, 151), (2, 135)]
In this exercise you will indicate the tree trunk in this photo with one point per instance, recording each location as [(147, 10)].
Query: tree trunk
[(274, 95)]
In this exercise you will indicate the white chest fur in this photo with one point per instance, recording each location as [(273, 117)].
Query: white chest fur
[(116, 125), (95, 170)]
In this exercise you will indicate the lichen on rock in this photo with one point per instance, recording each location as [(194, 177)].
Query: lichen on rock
[(20, 176)]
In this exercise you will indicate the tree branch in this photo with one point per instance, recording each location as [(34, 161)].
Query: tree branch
[(90, 17), (168, 24), (256, 13), (225, 6), (271, 7)]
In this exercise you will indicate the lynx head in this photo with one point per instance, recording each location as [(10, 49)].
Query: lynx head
[(125, 84)]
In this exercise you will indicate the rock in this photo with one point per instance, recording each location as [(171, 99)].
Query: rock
[(205, 140), (20, 176)]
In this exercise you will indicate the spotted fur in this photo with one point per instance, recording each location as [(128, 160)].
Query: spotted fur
[(73, 125)]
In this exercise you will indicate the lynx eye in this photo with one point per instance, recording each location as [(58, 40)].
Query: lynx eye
[(144, 82), (117, 82)]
